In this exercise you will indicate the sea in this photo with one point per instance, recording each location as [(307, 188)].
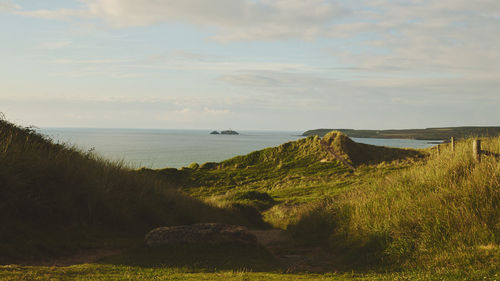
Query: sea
[(161, 148)]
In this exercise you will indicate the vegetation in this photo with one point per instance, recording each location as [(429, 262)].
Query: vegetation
[(400, 214), (125, 272), (419, 134), (56, 199), (290, 175), (444, 212)]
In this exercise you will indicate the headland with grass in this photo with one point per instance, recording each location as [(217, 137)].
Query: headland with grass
[(444, 133)]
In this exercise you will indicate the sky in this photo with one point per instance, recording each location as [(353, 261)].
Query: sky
[(250, 64)]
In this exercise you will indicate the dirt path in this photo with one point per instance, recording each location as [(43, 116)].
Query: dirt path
[(293, 256)]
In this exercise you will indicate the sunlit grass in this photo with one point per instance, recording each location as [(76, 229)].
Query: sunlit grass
[(435, 213)]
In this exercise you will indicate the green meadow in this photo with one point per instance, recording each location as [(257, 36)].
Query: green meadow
[(390, 214)]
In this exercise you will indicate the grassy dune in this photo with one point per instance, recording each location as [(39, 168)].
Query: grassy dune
[(56, 199), (277, 181), (443, 212)]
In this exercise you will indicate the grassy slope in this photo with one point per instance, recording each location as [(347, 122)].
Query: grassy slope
[(277, 180), (55, 199), (444, 212), (423, 134)]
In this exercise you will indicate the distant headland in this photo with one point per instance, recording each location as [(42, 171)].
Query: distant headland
[(226, 132), (418, 134)]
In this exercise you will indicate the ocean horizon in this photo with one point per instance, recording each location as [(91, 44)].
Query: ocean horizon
[(176, 148)]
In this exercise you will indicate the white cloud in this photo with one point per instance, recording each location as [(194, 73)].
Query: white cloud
[(446, 35), (232, 19)]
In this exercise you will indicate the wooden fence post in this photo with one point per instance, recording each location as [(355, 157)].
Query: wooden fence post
[(438, 149), (476, 150), (452, 144)]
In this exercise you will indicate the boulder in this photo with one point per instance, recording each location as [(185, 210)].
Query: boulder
[(200, 233)]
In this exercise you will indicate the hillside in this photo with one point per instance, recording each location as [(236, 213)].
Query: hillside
[(419, 134), (270, 181), (443, 214), (56, 199), (310, 151)]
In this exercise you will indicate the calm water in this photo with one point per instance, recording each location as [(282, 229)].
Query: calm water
[(178, 148)]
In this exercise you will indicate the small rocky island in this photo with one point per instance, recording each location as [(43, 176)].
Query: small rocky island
[(229, 132), (226, 132)]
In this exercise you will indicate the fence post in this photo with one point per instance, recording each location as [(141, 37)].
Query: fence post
[(476, 150), (452, 144), (438, 149)]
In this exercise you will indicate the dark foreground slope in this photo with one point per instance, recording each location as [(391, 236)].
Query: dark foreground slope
[(56, 199), (419, 134)]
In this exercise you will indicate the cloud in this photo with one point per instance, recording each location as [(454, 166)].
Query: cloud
[(277, 79), (61, 14), (231, 19), (6, 5), (454, 36), (55, 45)]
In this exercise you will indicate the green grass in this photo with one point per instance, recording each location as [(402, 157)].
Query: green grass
[(123, 272), (290, 175), (217, 262)]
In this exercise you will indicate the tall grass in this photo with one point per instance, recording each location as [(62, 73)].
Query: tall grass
[(54, 194), (445, 210)]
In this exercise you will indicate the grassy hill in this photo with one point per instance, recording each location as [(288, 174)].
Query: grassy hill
[(275, 181), (419, 134), (56, 199)]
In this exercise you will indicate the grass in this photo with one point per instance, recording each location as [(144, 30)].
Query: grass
[(400, 215), (123, 272), (56, 199), (288, 176), (216, 262), (443, 212)]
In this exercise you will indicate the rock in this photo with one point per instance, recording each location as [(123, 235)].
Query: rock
[(214, 133), (229, 132), (200, 233)]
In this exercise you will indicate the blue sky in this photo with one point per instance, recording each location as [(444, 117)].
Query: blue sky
[(250, 64)]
